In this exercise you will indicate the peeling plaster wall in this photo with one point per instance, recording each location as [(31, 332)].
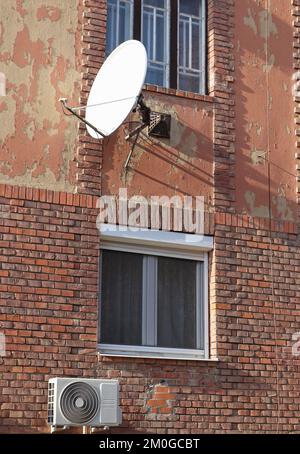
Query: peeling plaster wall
[(264, 108), (181, 165), (39, 42)]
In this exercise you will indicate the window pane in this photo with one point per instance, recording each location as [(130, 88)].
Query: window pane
[(181, 47), (187, 43), (121, 298), (190, 7), (111, 31), (157, 3), (119, 23), (160, 29), (148, 20), (176, 303), (155, 75), (190, 61), (195, 63), (155, 39), (124, 22), (189, 82)]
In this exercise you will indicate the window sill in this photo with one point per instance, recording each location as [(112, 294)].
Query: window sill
[(130, 351), (178, 93)]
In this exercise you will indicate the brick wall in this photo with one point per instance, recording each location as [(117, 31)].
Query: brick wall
[(220, 86), (254, 385), (49, 282), (89, 151), (48, 296), (49, 290)]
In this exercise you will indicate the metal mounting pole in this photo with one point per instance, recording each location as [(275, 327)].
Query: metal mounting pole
[(135, 132), (145, 112)]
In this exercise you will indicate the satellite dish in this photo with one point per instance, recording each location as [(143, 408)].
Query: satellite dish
[(116, 92), (116, 88)]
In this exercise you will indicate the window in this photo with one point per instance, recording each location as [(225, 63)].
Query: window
[(119, 23), (174, 34), (153, 298), (155, 14)]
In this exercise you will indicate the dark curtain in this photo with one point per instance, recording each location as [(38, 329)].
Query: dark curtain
[(121, 298), (176, 303)]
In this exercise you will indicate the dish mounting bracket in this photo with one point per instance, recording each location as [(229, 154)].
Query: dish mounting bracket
[(158, 124)]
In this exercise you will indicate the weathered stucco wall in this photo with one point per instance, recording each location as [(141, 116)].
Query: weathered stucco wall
[(264, 108), (265, 131), (181, 165), (39, 47), (40, 56)]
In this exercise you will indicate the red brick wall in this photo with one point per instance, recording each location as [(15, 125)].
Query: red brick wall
[(221, 77), (49, 282), (89, 152), (49, 291), (48, 296)]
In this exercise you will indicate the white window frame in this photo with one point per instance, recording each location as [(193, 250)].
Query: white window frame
[(165, 244), (167, 43)]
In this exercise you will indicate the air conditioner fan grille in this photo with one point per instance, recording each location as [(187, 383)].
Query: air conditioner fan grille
[(79, 403)]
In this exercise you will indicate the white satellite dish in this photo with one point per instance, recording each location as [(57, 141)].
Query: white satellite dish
[(116, 92), (116, 88)]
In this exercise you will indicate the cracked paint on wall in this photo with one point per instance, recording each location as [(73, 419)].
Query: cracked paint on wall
[(38, 58), (181, 165), (264, 109)]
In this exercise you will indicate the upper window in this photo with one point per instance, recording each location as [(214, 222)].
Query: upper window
[(153, 299), (173, 32)]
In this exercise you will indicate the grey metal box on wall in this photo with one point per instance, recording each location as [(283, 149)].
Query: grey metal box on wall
[(83, 402)]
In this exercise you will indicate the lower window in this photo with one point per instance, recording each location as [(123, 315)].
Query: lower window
[(153, 304)]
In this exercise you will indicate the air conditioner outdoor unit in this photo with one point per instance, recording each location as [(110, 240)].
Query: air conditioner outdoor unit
[(83, 402)]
